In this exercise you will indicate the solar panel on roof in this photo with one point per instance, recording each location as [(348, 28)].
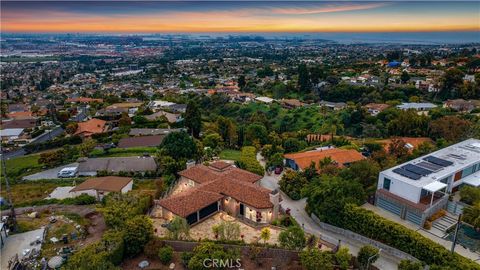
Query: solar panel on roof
[(429, 166), (407, 174), (438, 161), (416, 169)]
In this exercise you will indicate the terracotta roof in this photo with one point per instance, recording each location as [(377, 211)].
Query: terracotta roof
[(377, 106), (242, 191), (202, 174), (142, 141), (189, 201), (341, 156), (84, 100), (91, 126), (215, 183), (415, 142), (108, 183), (220, 165)]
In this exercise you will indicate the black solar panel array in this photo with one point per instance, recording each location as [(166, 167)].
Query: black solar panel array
[(429, 166), (407, 174), (416, 169), (438, 161)]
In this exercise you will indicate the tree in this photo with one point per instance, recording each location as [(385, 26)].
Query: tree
[(179, 145), (452, 80), (471, 215), (343, 258), (327, 197), (165, 254), (293, 145), (314, 259), (276, 160), (256, 133), (178, 229), (398, 148), (206, 252), (170, 166), (227, 130), (265, 234), (470, 195), (193, 118), (86, 147), (138, 231), (366, 256), (212, 140), (241, 82), (364, 172), (404, 77), (292, 183), (71, 127), (125, 120), (159, 188), (304, 84), (409, 265), (292, 238), (450, 128), (53, 158), (227, 231)]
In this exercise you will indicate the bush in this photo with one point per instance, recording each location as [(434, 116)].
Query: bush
[(185, 257), (470, 195), (292, 183), (314, 259), (152, 248), (366, 256), (138, 231), (343, 258), (165, 254), (292, 238), (227, 231), (409, 265), (248, 161)]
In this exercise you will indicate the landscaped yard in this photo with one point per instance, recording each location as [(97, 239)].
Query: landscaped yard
[(230, 154), (203, 230), (124, 152)]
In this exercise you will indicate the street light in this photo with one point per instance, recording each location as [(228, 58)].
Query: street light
[(371, 258)]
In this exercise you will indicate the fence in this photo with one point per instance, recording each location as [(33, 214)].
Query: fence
[(364, 240), (455, 208)]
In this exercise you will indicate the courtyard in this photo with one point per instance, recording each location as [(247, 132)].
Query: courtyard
[(203, 230)]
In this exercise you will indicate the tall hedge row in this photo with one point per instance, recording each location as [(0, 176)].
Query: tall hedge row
[(248, 161), (373, 226)]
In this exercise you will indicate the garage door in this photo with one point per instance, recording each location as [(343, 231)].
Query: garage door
[(389, 206), (208, 210), (414, 217)]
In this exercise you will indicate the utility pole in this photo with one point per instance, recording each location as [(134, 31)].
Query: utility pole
[(456, 233), (12, 217)]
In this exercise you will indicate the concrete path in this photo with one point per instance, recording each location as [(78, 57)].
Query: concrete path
[(18, 243), (61, 193), (297, 210), (48, 174)]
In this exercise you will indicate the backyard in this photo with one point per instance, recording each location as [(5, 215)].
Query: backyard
[(230, 154)]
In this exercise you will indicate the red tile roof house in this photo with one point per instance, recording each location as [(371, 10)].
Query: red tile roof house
[(90, 127), (100, 186), (204, 190), (341, 157)]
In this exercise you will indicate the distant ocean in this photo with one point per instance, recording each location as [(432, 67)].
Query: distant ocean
[(390, 37)]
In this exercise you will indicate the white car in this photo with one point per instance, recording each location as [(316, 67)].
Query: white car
[(67, 172)]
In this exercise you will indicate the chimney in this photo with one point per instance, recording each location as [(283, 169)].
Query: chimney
[(190, 163)]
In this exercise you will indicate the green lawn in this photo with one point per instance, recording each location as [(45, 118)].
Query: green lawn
[(230, 154), (24, 165)]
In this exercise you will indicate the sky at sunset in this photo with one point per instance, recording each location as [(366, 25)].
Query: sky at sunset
[(238, 16)]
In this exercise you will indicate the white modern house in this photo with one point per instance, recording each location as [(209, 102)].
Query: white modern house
[(419, 188), (416, 106)]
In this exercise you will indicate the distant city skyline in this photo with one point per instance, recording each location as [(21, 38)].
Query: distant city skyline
[(241, 17)]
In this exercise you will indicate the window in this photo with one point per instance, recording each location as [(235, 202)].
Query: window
[(466, 172), (386, 183)]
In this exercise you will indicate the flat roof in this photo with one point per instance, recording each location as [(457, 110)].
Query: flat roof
[(462, 155), (473, 179)]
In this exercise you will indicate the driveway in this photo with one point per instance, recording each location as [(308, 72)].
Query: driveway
[(18, 244), (48, 174), (297, 210)]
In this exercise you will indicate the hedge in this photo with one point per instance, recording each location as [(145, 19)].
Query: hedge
[(83, 199), (373, 226), (248, 161)]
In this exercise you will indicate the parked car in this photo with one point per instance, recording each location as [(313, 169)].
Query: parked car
[(278, 170), (67, 172)]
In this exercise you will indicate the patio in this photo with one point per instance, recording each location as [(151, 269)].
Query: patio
[(203, 230)]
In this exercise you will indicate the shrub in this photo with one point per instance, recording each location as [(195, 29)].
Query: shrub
[(165, 254), (152, 247), (366, 256), (409, 265), (470, 195), (292, 183), (227, 231), (185, 257), (343, 258), (138, 231), (314, 259), (292, 238), (248, 161)]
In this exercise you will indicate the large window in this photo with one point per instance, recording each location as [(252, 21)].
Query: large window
[(386, 183)]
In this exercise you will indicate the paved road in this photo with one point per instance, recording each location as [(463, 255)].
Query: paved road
[(297, 210), (48, 174)]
